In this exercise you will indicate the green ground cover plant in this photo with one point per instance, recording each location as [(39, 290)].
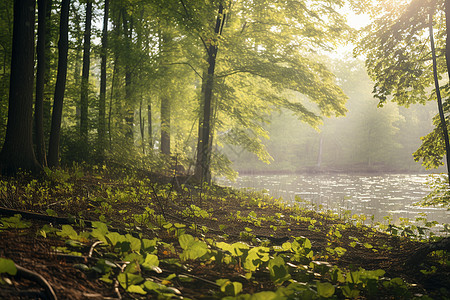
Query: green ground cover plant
[(143, 236)]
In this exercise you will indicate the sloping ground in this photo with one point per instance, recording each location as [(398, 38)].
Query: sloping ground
[(171, 240)]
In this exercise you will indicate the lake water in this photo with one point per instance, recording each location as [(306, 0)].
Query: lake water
[(373, 195)]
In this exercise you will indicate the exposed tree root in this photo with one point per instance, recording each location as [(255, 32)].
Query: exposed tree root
[(33, 276)]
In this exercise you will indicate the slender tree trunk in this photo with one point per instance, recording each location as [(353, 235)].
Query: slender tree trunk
[(111, 103), (84, 102), (447, 58), (202, 169), (438, 95), (141, 126), (78, 56), (129, 95), (40, 83), (150, 129), (319, 156), (49, 57), (165, 126), (63, 48), (17, 152), (102, 98)]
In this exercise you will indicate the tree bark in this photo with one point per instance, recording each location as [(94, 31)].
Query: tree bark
[(150, 129), (84, 102), (129, 95), (102, 98), (78, 55), (63, 48), (202, 168), (165, 126), (17, 152), (40, 83), (438, 95), (141, 126)]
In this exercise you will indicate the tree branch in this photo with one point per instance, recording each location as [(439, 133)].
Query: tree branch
[(185, 63)]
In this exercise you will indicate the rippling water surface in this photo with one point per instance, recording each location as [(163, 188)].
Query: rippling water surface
[(373, 195)]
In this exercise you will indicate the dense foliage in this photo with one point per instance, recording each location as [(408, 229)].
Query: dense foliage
[(169, 68)]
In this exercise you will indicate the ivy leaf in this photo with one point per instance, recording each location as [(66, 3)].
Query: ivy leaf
[(7, 266), (68, 231), (151, 286), (128, 279), (193, 249), (149, 245), (325, 289), (151, 262), (135, 244), (114, 238), (99, 231), (279, 272), (136, 289), (228, 287)]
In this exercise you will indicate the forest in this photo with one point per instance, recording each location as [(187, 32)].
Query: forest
[(117, 117)]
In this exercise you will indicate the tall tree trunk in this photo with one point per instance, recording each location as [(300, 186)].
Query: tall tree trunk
[(165, 126), (447, 58), (150, 129), (129, 95), (63, 48), (102, 98), (17, 152), (438, 95), (319, 155), (40, 83), (84, 102), (78, 56), (141, 126), (113, 80), (49, 57), (202, 168)]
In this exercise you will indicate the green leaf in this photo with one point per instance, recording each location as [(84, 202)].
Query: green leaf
[(349, 292), (68, 231), (99, 231), (135, 243), (151, 262), (340, 251), (128, 279), (151, 286), (186, 240), (51, 212), (228, 287), (325, 289), (7, 266), (255, 257), (15, 222), (266, 295), (193, 249), (279, 272), (136, 289), (113, 238)]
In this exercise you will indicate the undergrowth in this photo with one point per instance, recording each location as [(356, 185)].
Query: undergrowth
[(146, 235)]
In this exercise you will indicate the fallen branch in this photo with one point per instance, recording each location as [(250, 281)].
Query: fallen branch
[(42, 217), (33, 276)]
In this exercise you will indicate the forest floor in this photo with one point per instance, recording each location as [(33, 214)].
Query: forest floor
[(163, 239)]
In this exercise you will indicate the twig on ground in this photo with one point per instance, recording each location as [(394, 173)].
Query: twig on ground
[(33, 276)]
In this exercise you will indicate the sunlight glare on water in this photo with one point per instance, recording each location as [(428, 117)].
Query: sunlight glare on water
[(378, 195)]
